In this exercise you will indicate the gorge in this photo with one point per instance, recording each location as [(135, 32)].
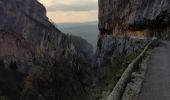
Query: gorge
[(39, 62)]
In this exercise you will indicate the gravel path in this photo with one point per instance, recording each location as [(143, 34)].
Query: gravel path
[(156, 85)]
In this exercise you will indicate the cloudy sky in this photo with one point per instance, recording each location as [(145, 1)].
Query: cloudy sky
[(67, 11)]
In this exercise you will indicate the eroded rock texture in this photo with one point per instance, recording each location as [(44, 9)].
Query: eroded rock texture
[(112, 51), (30, 45), (121, 16), (27, 20)]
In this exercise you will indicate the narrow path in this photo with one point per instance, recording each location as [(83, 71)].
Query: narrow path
[(156, 85)]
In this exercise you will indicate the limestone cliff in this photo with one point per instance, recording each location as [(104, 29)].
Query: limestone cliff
[(149, 17), (27, 19), (30, 45)]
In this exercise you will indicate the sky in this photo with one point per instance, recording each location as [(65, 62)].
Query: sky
[(71, 11)]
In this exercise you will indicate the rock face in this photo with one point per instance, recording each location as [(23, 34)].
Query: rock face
[(30, 45), (126, 16), (112, 48), (27, 20), (119, 19)]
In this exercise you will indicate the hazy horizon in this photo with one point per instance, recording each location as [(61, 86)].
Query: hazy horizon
[(88, 31), (72, 11)]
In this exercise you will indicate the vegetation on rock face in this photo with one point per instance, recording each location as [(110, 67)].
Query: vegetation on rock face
[(110, 62), (114, 68), (4, 98), (11, 80), (54, 79)]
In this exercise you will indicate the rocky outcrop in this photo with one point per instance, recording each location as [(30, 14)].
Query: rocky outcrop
[(118, 17), (17, 49)]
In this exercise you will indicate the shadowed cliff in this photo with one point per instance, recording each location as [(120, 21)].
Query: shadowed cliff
[(39, 61)]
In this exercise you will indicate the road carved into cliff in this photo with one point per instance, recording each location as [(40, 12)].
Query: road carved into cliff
[(157, 80)]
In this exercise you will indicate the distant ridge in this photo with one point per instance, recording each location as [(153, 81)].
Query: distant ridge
[(66, 25)]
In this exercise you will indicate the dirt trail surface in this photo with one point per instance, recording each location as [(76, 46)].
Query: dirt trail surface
[(156, 85)]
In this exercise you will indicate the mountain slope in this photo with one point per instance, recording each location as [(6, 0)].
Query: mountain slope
[(35, 55)]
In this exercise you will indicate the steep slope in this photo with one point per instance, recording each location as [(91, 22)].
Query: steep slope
[(31, 46)]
